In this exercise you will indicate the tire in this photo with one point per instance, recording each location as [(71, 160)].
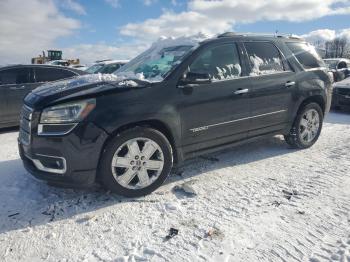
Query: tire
[(305, 132), (128, 172)]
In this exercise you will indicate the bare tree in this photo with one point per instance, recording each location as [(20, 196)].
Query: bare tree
[(338, 47), (342, 45)]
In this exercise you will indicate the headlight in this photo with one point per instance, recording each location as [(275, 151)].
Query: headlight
[(67, 113)]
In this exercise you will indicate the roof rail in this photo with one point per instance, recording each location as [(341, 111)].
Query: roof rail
[(230, 34), (227, 34)]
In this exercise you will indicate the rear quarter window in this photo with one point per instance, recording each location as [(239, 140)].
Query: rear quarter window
[(51, 74), (15, 76), (306, 54)]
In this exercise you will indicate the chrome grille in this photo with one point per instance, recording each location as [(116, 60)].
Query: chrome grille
[(25, 125)]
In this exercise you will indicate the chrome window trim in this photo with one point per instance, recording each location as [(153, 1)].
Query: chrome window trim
[(268, 74), (202, 128), (249, 76)]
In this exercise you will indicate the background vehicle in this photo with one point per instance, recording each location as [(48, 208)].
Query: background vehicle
[(340, 67), (106, 67), (179, 99), (80, 67), (17, 81), (58, 62), (341, 94)]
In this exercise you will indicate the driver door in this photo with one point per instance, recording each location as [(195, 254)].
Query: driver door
[(216, 110)]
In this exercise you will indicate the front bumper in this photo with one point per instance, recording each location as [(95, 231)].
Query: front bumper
[(68, 160), (339, 100)]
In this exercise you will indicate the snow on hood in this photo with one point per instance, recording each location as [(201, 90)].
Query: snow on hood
[(78, 81)]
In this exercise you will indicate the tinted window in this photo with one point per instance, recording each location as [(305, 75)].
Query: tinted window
[(15, 76), (306, 55), (108, 69), (51, 74), (221, 63), (94, 68), (264, 58)]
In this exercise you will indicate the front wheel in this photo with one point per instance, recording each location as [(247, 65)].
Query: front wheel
[(136, 162), (307, 127)]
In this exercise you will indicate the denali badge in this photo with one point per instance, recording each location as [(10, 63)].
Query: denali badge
[(198, 129)]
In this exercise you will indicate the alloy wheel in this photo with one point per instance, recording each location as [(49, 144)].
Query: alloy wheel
[(309, 125), (137, 163)]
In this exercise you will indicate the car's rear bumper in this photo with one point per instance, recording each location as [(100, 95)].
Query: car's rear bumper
[(69, 160)]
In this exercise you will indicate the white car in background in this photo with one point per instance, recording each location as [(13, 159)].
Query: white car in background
[(106, 66), (80, 67)]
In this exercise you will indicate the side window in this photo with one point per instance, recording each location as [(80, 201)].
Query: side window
[(306, 55), (8, 77), (15, 76), (220, 62), (264, 58), (66, 74), (108, 69), (51, 74)]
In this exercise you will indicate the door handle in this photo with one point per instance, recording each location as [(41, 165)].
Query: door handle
[(289, 84), (17, 87), (241, 91)]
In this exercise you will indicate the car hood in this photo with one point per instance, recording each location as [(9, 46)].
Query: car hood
[(80, 86)]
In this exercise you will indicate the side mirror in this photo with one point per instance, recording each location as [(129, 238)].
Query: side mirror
[(191, 79)]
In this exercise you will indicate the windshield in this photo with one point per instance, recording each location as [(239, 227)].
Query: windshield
[(155, 63), (331, 64), (94, 68)]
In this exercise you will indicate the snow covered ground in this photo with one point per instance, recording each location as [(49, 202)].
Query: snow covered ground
[(258, 202)]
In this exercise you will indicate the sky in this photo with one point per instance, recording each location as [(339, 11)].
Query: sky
[(121, 29)]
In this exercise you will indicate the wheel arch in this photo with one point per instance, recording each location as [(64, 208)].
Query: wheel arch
[(151, 123), (318, 99)]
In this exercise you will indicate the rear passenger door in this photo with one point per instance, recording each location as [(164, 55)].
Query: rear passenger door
[(272, 86), (3, 100), (16, 84)]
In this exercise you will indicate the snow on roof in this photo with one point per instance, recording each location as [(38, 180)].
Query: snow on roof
[(164, 42)]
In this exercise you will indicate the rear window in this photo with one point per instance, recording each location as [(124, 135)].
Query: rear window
[(306, 55), (51, 74), (264, 58)]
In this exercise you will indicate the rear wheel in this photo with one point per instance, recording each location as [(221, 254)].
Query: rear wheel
[(136, 162), (307, 127)]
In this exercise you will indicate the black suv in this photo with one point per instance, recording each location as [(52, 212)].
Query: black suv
[(177, 100), (18, 80)]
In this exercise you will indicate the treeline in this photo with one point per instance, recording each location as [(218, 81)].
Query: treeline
[(336, 48)]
